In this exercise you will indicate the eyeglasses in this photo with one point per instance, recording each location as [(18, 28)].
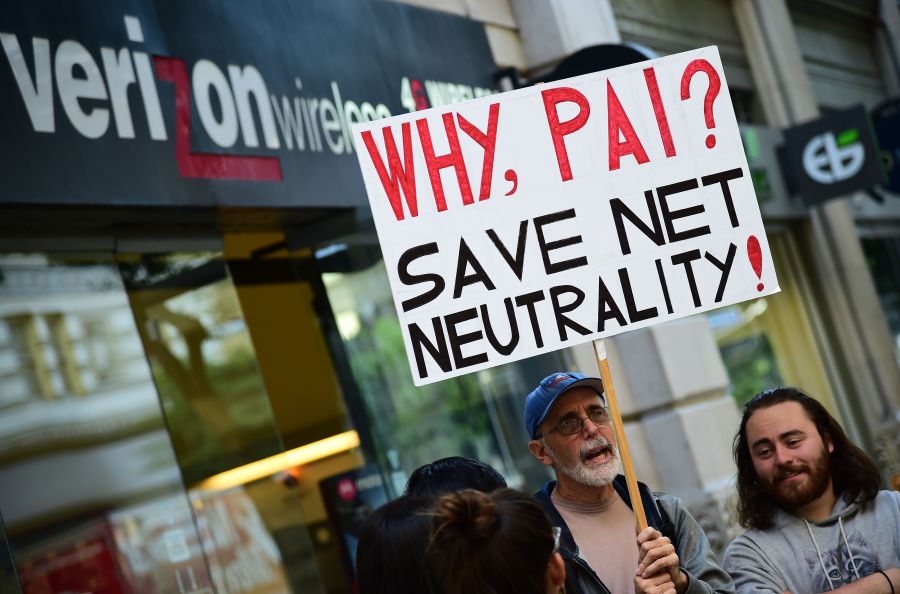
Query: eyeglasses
[(556, 531), (573, 425)]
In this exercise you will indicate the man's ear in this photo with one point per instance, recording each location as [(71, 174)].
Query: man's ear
[(537, 449), (556, 572), (828, 443)]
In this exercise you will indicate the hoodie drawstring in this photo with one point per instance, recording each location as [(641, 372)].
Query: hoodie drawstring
[(847, 544), (819, 552)]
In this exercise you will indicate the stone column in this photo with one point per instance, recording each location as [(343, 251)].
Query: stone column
[(552, 29), (679, 417), (888, 38), (868, 389)]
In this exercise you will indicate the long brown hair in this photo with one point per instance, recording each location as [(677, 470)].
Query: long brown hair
[(854, 475), (489, 543)]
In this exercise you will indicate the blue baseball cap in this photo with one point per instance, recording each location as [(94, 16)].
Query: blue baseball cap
[(542, 399)]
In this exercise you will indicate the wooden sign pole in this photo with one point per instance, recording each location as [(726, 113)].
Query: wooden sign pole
[(624, 454)]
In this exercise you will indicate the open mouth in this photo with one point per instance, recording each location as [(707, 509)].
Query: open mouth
[(598, 455)]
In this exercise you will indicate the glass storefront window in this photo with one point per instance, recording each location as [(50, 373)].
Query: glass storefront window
[(741, 332), (82, 439), (476, 415), (105, 460), (203, 362), (248, 498), (770, 342)]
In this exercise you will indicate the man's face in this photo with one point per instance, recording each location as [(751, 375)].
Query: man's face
[(792, 461), (588, 456)]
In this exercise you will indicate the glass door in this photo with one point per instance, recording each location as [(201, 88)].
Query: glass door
[(241, 484), (132, 406), (90, 490)]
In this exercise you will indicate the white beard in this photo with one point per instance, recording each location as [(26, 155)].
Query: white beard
[(594, 476)]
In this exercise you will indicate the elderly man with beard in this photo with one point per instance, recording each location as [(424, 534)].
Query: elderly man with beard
[(570, 430), (810, 498)]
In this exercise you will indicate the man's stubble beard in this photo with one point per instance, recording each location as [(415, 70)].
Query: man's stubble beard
[(594, 476)]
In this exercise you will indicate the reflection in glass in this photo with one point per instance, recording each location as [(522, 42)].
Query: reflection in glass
[(253, 531), (81, 434), (203, 362), (90, 488), (740, 331)]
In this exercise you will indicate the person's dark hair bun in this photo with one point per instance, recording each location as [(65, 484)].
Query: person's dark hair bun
[(500, 541), (468, 514)]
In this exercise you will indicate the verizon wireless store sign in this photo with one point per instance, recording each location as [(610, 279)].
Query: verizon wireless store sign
[(546, 217), (205, 103)]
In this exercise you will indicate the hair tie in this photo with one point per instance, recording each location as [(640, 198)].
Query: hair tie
[(890, 583)]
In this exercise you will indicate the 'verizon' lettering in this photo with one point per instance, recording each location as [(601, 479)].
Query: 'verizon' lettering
[(94, 94)]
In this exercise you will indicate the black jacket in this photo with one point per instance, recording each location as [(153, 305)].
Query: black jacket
[(580, 578)]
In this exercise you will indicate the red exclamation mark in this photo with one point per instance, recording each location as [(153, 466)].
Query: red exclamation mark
[(754, 252)]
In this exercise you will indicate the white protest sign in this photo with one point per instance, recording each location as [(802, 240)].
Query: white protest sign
[(545, 217)]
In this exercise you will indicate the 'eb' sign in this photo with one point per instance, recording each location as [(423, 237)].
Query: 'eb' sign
[(833, 156)]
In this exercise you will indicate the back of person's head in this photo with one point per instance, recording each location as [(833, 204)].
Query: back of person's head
[(453, 474), (854, 475), (493, 543), (389, 558)]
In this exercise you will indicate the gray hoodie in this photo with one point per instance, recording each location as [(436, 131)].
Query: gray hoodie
[(808, 557)]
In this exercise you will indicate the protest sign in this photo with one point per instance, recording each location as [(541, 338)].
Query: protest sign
[(546, 217)]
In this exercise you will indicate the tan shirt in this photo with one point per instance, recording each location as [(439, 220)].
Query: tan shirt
[(606, 539)]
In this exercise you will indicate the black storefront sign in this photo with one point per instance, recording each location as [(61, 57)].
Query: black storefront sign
[(210, 103), (350, 498), (832, 156)]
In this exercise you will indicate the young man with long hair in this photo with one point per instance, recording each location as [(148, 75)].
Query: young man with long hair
[(817, 520)]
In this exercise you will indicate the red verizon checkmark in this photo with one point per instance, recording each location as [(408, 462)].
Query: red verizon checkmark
[(207, 165)]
